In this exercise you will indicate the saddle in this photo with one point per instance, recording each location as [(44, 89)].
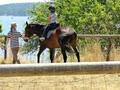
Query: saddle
[(52, 29)]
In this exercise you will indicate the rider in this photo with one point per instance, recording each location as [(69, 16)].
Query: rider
[(52, 20)]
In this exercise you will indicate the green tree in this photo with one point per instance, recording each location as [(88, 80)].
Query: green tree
[(39, 13), (89, 16), (85, 16), (0, 34), (0, 28)]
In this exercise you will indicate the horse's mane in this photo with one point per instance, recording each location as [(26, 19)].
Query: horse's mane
[(37, 25)]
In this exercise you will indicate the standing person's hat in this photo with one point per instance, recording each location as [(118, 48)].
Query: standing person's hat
[(13, 23)]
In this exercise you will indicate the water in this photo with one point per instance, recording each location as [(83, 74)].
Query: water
[(6, 22), (20, 20)]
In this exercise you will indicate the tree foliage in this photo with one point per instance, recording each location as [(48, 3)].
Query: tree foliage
[(85, 16), (31, 46), (1, 38), (0, 28), (39, 13), (90, 16)]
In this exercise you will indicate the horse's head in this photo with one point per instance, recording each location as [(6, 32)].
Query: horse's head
[(33, 29)]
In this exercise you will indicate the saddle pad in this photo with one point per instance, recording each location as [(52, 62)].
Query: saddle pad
[(49, 33)]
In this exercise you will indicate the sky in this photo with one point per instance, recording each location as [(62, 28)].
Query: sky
[(19, 1)]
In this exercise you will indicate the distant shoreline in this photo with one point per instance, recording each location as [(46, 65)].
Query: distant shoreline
[(22, 3), (12, 16), (16, 9)]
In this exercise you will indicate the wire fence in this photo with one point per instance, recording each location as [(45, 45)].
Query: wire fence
[(75, 82)]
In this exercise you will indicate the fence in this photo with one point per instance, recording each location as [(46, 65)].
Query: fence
[(82, 36), (98, 37), (60, 69), (5, 51)]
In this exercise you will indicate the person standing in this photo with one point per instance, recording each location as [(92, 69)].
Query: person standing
[(13, 37)]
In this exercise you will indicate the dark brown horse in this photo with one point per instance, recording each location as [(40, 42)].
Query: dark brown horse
[(60, 38)]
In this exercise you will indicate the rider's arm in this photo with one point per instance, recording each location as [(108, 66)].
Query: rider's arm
[(49, 19)]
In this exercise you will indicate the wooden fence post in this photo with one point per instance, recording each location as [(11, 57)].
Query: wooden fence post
[(109, 49), (5, 51)]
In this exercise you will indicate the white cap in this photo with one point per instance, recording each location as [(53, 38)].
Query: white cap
[(12, 23)]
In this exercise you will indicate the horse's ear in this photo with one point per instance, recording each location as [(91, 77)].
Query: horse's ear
[(26, 23)]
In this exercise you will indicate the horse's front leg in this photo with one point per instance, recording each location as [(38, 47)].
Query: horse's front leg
[(42, 48), (52, 53)]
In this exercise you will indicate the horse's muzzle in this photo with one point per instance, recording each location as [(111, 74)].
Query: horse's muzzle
[(25, 40)]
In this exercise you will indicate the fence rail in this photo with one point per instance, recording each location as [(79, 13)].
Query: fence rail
[(87, 35), (97, 36), (3, 36), (83, 36), (60, 69)]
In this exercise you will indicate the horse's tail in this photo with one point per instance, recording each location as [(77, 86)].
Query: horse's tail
[(65, 38)]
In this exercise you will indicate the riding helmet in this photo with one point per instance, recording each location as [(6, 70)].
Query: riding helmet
[(52, 7)]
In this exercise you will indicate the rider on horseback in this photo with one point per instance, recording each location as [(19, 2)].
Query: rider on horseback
[(52, 20)]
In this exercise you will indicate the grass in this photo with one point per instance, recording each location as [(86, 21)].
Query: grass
[(91, 53), (75, 82), (10, 60)]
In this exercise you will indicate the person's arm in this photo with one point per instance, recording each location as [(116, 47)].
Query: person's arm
[(49, 19), (56, 16), (7, 41), (24, 38)]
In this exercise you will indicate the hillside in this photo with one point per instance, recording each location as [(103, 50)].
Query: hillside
[(17, 9)]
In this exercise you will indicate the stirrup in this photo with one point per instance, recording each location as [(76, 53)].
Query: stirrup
[(42, 38)]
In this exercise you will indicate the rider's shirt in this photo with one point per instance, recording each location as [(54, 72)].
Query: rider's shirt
[(53, 17)]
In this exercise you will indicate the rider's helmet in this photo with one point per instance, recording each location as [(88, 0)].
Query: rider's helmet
[(52, 8)]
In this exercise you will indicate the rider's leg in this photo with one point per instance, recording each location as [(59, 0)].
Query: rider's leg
[(44, 35), (45, 31)]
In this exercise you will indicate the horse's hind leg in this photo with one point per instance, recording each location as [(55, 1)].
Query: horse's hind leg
[(42, 48), (62, 45), (52, 53), (77, 53), (73, 43)]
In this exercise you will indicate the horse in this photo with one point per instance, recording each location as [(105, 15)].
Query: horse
[(59, 38)]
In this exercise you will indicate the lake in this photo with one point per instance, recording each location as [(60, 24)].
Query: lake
[(6, 22), (20, 20)]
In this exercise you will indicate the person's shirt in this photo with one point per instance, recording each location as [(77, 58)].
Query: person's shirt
[(14, 38), (53, 17)]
